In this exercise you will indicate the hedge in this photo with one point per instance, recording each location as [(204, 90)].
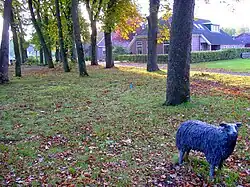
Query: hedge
[(196, 57)]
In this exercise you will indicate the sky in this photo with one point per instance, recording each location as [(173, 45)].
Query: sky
[(235, 15)]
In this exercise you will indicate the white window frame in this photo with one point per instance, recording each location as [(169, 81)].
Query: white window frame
[(215, 28), (165, 44), (139, 44)]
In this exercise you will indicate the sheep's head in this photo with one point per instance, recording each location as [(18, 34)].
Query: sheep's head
[(231, 128)]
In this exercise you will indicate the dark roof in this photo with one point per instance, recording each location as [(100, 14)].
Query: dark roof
[(244, 38), (215, 38)]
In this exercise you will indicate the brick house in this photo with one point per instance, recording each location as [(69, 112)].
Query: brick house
[(206, 36)]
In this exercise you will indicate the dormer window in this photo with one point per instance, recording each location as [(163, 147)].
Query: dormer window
[(215, 28)]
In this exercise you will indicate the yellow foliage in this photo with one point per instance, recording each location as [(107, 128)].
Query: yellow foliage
[(164, 29)]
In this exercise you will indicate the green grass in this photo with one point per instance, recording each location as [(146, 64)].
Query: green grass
[(235, 65), (96, 130)]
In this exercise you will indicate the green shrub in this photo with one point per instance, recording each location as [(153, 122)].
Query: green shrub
[(32, 61), (196, 57), (87, 58)]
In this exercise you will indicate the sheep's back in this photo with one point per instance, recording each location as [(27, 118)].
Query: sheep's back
[(198, 136)]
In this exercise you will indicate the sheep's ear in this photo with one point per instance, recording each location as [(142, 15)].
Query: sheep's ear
[(238, 125), (223, 125)]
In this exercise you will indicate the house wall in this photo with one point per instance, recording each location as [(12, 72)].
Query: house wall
[(231, 46), (145, 46), (101, 53), (196, 43)]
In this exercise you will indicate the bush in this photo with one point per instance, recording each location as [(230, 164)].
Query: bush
[(87, 58), (196, 57), (32, 61)]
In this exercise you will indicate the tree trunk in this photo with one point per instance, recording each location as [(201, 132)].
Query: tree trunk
[(61, 39), (22, 50), (41, 56), (79, 46), (178, 85), (73, 50), (47, 38), (26, 53), (16, 47), (93, 43), (48, 57), (57, 55), (108, 48), (152, 35), (4, 51)]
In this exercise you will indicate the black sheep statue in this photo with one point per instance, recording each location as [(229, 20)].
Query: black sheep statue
[(217, 143)]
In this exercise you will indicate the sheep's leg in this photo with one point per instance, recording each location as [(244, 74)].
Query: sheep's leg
[(220, 165), (186, 154), (181, 154), (211, 173)]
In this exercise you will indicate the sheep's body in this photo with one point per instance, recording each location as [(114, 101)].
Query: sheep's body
[(217, 143)]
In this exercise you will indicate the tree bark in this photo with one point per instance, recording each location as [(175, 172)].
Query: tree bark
[(61, 39), (26, 53), (178, 85), (23, 56), (57, 53), (79, 46), (73, 50), (93, 43), (41, 56), (48, 57), (152, 35), (16, 47), (47, 38), (93, 18), (4, 51), (108, 48)]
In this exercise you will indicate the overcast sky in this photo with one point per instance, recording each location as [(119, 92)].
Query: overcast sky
[(236, 15)]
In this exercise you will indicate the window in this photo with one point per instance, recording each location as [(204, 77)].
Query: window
[(139, 47), (165, 47), (215, 28)]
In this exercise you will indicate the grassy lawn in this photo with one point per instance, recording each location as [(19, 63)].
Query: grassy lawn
[(235, 65), (57, 128)]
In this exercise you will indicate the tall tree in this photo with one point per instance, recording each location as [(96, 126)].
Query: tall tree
[(4, 51), (94, 8), (41, 55), (61, 39), (120, 15), (48, 57), (79, 46), (152, 35), (107, 33), (178, 85), (230, 31), (16, 46), (21, 38)]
